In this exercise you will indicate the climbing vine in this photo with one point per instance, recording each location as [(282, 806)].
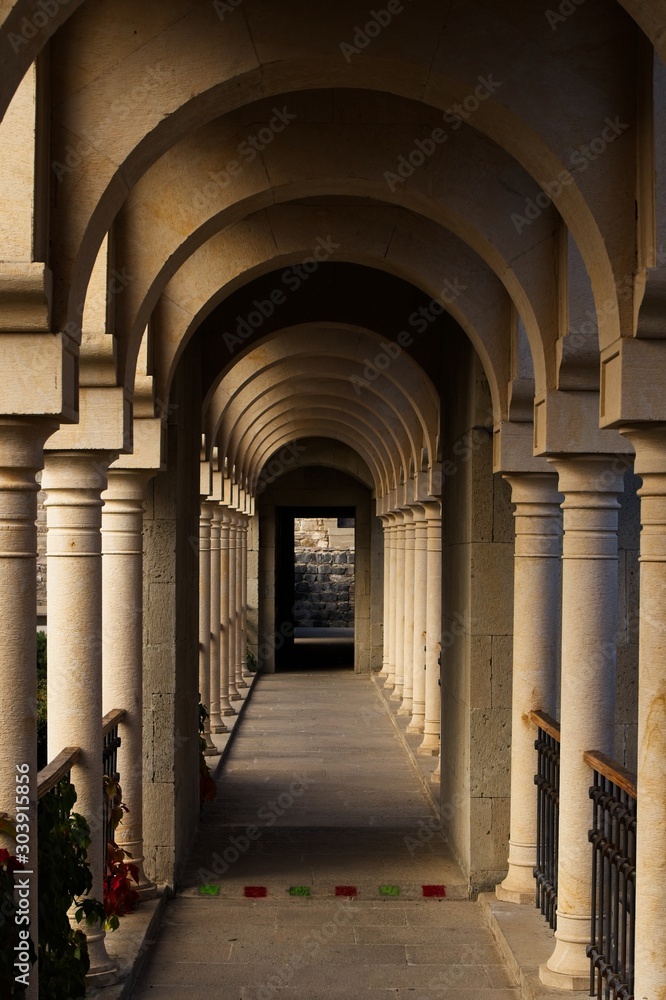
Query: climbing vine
[(120, 896)]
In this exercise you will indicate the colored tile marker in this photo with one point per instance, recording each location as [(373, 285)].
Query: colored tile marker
[(389, 890), (436, 891), (209, 890), (346, 890), (255, 891), (299, 890)]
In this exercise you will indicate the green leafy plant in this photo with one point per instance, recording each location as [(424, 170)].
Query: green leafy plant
[(251, 661), (64, 879), (207, 787)]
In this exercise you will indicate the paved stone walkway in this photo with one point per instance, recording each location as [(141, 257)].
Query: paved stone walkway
[(317, 792)]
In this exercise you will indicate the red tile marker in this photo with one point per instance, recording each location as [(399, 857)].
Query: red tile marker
[(438, 891), (346, 890), (255, 891)]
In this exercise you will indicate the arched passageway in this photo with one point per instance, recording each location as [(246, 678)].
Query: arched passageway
[(409, 263)]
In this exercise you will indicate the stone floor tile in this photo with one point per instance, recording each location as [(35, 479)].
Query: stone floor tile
[(362, 801)]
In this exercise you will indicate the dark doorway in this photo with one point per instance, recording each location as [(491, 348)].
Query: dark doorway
[(316, 623)]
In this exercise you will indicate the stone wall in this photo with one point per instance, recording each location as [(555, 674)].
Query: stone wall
[(477, 627), (324, 573)]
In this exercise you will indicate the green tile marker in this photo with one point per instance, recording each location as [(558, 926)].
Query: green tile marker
[(209, 890), (299, 890), (389, 890)]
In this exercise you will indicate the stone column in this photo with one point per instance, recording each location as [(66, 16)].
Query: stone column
[(245, 526), (591, 485), (433, 700), (420, 618), (399, 604), (390, 616), (205, 518), (234, 693), (536, 622), (74, 482), (649, 959), (216, 723), (122, 646), (408, 631), (384, 672), (21, 457), (238, 617), (226, 685)]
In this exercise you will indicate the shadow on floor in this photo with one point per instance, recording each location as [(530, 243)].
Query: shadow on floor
[(320, 649)]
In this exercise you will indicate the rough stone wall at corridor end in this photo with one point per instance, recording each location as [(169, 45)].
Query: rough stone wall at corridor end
[(324, 573)]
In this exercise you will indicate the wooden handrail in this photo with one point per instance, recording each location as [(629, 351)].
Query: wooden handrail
[(545, 722), (111, 720), (612, 770), (50, 775)]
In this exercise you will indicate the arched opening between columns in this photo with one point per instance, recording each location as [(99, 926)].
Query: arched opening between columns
[(312, 489)]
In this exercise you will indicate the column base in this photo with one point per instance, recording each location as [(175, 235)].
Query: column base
[(417, 723), (219, 728), (235, 697), (429, 746), (103, 970), (563, 981), (568, 968), (515, 895), (227, 711), (388, 683), (406, 707), (147, 890), (397, 694), (211, 752)]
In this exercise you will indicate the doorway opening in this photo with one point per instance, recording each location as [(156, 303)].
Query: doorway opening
[(315, 587)]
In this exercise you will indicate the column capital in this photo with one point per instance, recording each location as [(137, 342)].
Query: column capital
[(77, 471), (649, 443), (432, 509), (127, 484), (538, 488), (205, 514), (592, 475)]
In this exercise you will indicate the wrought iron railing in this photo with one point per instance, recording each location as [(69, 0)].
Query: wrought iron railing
[(110, 767), (613, 839), (547, 780)]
